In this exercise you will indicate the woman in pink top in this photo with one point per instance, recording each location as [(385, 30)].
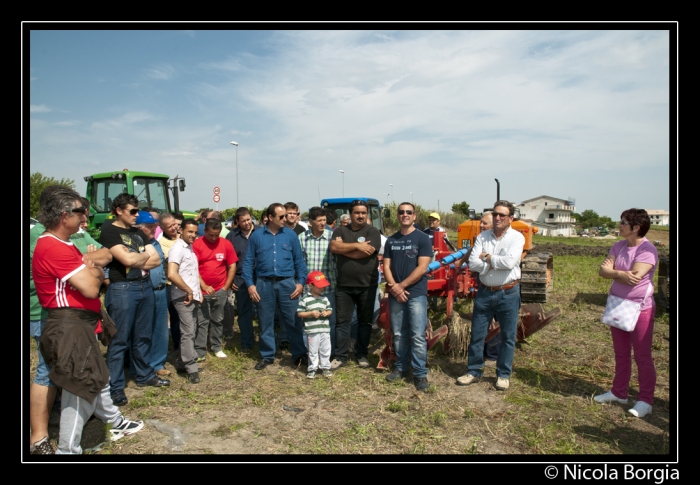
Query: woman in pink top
[(631, 264)]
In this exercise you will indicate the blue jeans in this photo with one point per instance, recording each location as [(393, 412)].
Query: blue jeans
[(409, 321), (504, 305), (174, 320), (36, 327), (245, 317), (159, 337), (130, 304), (346, 300), (276, 293)]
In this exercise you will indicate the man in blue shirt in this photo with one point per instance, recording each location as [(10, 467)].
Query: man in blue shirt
[(239, 238), (275, 254)]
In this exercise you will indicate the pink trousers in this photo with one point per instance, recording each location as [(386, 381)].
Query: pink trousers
[(639, 340)]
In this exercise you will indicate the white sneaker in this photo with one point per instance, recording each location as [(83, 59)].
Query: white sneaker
[(467, 379), (363, 362), (125, 428), (502, 383), (640, 409), (337, 364), (608, 397), (220, 354)]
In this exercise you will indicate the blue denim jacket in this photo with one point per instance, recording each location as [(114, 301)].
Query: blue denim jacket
[(158, 273)]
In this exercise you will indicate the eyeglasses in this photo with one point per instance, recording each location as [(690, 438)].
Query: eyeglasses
[(80, 210), (498, 214), (282, 216), (402, 212), (625, 223)]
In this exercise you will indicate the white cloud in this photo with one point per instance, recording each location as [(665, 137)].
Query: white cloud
[(164, 72), (39, 108)]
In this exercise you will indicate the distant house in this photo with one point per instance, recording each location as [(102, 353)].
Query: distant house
[(658, 217), (552, 216)]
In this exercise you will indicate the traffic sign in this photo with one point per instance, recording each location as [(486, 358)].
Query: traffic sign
[(217, 198), (217, 191)]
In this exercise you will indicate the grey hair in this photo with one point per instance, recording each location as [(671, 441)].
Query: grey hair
[(58, 200), (344, 217)]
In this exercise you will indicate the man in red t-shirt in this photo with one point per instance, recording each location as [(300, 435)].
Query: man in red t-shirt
[(68, 286), (217, 268)]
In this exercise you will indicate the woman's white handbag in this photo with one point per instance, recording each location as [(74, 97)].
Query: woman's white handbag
[(623, 314)]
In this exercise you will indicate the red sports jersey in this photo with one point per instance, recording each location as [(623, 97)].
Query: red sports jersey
[(214, 260), (53, 264)]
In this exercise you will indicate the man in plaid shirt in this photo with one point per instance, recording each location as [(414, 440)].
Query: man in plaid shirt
[(315, 246)]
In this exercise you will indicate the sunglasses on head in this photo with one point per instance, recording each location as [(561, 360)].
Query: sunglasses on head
[(405, 211)]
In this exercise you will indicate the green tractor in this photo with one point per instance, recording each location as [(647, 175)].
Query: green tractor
[(150, 188)]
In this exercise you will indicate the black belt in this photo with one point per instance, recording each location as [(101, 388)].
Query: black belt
[(274, 278), (156, 288)]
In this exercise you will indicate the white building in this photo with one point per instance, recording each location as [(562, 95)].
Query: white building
[(658, 217), (552, 216)]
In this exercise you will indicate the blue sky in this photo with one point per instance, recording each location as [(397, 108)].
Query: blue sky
[(437, 114)]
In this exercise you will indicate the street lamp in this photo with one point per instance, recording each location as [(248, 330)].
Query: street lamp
[(387, 199), (343, 172), (411, 197), (236, 145), (392, 192)]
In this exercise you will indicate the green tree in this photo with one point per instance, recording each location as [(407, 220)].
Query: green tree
[(461, 208), (588, 218), (37, 184)]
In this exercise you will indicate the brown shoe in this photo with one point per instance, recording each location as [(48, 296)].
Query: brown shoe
[(163, 372)]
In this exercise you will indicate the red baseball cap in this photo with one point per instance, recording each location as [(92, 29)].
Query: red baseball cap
[(317, 279)]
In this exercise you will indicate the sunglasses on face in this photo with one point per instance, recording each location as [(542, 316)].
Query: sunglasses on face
[(79, 210), (408, 211), (133, 212), (625, 223), (282, 216), (498, 214)]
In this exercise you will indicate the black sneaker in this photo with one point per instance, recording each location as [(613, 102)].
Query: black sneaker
[(125, 428), (154, 382), (283, 345), (42, 447), (119, 398), (193, 378), (262, 364), (396, 375), (421, 383)]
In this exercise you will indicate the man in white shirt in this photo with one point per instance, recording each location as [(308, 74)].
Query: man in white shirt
[(496, 257)]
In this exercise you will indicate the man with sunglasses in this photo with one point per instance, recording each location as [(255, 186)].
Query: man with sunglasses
[(407, 255), (496, 257), (129, 299), (275, 254), (356, 247)]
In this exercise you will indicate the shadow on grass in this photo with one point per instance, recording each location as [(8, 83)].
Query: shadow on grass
[(599, 299), (629, 441)]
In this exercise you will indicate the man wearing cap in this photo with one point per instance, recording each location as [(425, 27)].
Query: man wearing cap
[(159, 338), (315, 246), (407, 254), (496, 257), (434, 226), (314, 309)]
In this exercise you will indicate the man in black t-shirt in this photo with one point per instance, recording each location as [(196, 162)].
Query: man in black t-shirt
[(356, 246), (129, 299)]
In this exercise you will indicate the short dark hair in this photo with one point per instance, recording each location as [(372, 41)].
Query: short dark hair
[(179, 216), (242, 211), (407, 203), (355, 203), (316, 212), (212, 223), (54, 203), (637, 217), (272, 208), (331, 216), (214, 215), (507, 205), (291, 205), (122, 200), (189, 222)]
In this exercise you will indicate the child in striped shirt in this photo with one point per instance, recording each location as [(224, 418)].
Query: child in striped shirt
[(314, 309)]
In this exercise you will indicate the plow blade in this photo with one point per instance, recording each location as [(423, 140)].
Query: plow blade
[(534, 318)]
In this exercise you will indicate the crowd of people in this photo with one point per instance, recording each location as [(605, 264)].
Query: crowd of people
[(169, 278)]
